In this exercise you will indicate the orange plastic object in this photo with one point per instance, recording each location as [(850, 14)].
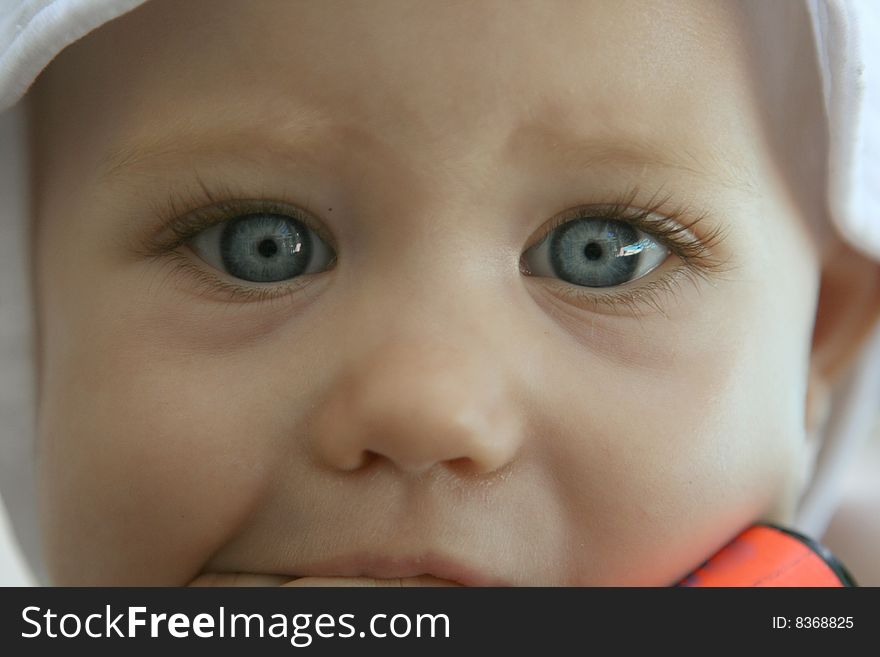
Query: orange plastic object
[(766, 555)]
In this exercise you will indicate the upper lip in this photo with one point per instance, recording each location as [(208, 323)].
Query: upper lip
[(380, 566)]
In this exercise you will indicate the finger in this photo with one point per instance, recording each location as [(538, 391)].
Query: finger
[(238, 579)]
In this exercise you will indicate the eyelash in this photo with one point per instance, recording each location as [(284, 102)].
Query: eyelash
[(187, 214), (670, 226)]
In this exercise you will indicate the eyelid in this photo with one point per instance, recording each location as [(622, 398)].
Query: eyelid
[(634, 298), (214, 283), (186, 213), (635, 217), (672, 228), (195, 221)]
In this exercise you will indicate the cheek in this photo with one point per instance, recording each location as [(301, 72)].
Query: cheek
[(148, 459), (666, 446)]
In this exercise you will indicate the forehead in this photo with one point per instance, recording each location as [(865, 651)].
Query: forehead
[(664, 79)]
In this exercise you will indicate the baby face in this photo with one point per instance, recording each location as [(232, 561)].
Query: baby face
[(503, 294)]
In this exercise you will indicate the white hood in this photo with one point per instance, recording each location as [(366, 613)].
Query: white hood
[(32, 32)]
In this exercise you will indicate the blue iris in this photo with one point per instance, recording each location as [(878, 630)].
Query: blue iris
[(265, 248), (591, 252)]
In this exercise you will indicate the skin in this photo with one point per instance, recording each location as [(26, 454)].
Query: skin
[(425, 398)]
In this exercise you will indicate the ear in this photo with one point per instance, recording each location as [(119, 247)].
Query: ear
[(848, 310)]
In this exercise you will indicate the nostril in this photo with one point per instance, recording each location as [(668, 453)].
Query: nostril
[(462, 464), (368, 457), (356, 460)]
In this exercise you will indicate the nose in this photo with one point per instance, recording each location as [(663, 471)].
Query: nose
[(418, 406)]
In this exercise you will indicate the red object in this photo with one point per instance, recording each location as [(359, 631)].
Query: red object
[(766, 555)]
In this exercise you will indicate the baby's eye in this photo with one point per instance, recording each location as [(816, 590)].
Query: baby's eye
[(595, 252), (263, 247)]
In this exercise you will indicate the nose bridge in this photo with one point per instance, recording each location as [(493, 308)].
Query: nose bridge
[(421, 279), (448, 225), (418, 402)]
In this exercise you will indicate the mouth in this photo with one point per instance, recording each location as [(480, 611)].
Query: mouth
[(364, 570), (430, 569)]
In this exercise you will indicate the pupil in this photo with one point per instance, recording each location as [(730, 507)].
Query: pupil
[(593, 251), (267, 248)]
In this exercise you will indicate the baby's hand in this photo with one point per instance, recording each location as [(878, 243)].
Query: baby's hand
[(238, 579), (250, 579), (421, 580)]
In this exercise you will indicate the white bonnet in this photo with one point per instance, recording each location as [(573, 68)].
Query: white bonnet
[(33, 32)]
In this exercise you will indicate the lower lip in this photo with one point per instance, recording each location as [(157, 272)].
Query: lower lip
[(417, 581), (407, 570)]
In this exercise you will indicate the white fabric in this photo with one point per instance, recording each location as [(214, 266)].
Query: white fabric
[(32, 32), (850, 65)]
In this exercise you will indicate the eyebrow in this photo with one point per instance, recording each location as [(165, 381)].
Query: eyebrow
[(300, 131), (580, 152), (290, 138)]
